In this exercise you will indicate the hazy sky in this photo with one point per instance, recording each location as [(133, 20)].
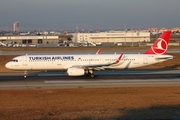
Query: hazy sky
[(90, 14)]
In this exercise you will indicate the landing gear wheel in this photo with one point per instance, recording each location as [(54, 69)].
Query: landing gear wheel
[(91, 75), (25, 74)]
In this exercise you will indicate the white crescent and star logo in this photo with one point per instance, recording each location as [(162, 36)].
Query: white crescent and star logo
[(160, 47)]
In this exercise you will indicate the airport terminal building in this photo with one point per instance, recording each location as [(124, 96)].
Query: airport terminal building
[(113, 36)]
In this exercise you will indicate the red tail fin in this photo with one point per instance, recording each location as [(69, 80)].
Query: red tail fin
[(161, 44)]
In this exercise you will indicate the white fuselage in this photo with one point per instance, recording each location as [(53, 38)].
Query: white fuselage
[(63, 62)]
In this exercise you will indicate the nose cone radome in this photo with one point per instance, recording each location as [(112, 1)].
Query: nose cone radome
[(8, 65)]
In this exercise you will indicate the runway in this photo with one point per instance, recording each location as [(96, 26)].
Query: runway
[(103, 79)]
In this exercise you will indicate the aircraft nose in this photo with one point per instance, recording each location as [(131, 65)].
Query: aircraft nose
[(8, 65)]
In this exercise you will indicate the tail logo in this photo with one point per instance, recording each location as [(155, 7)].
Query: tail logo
[(160, 47)]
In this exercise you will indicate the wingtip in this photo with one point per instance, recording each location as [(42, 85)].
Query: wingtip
[(99, 51)]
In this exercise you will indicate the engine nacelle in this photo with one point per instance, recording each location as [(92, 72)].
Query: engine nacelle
[(75, 71)]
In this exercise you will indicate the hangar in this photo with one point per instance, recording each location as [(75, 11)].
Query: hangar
[(35, 39)]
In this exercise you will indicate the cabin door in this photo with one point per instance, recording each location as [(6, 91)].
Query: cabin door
[(59, 62), (25, 61), (101, 60), (145, 61)]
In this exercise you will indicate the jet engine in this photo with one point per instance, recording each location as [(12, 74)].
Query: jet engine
[(75, 71)]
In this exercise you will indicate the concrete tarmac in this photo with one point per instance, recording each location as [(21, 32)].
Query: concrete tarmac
[(103, 79)]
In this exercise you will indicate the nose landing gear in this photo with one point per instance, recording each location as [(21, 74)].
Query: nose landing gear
[(25, 74)]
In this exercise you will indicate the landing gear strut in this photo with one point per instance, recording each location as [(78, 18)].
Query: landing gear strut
[(25, 74), (89, 73)]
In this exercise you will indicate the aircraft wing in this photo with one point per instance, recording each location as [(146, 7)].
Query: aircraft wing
[(98, 66)]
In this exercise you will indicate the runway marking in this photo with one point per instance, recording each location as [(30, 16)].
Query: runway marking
[(97, 84), (111, 81), (92, 84)]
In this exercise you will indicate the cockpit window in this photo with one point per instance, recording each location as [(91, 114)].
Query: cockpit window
[(14, 60)]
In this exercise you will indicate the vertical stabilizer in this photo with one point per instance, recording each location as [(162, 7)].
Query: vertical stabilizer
[(161, 44)]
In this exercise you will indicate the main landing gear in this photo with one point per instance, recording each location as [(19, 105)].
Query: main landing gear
[(89, 73)]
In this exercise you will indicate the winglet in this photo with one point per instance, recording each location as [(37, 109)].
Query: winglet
[(161, 44), (99, 51), (117, 61)]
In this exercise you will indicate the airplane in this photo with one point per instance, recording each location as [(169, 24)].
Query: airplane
[(86, 64), (28, 33)]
